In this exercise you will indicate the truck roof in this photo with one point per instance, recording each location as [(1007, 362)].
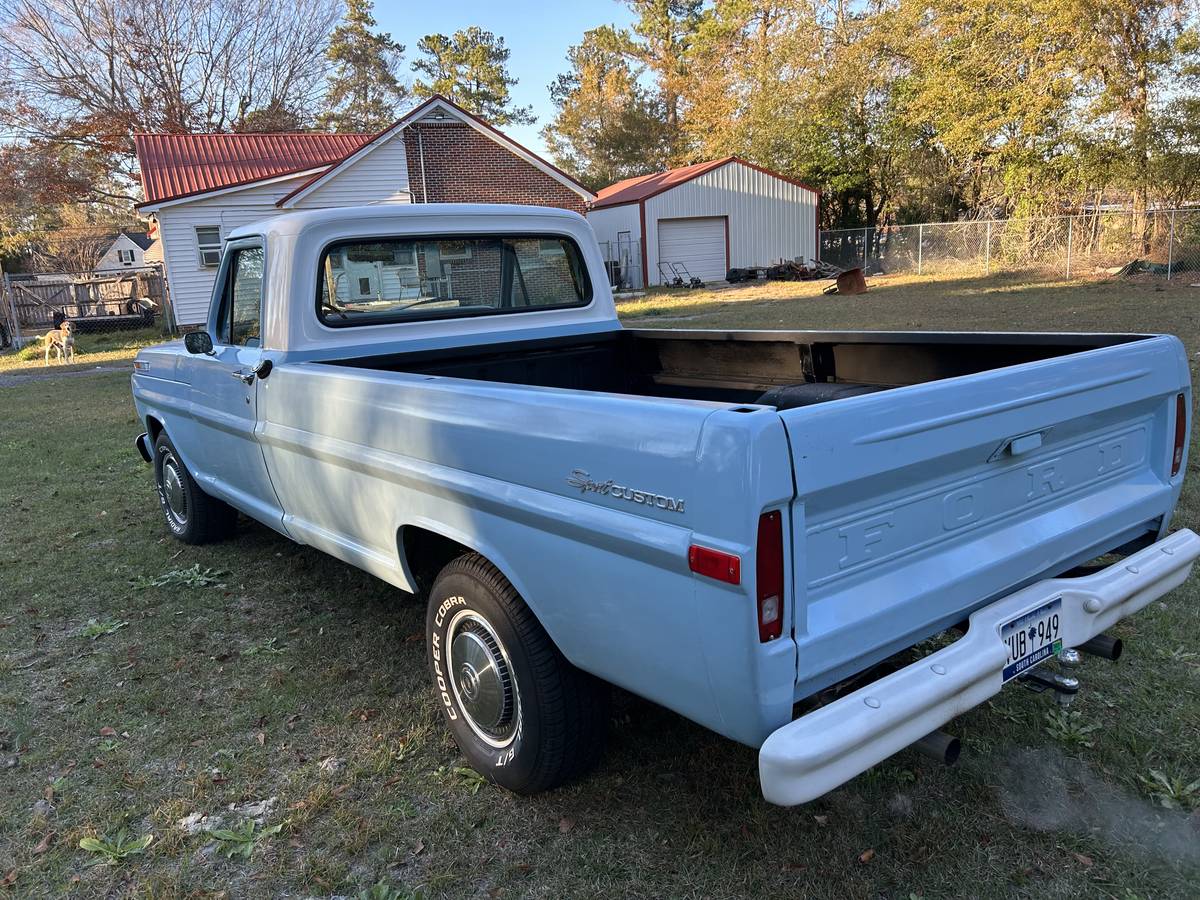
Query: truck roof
[(295, 222)]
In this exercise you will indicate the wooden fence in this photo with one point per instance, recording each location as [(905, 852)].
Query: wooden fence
[(93, 302)]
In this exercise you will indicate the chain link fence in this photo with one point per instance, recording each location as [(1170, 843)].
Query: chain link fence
[(1163, 243), (93, 302)]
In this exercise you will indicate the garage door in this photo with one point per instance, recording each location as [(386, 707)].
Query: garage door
[(699, 244)]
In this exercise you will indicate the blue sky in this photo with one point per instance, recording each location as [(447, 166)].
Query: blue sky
[(537, 33)]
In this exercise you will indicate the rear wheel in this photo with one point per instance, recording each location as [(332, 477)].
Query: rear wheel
[(191, 515), (522, 715)]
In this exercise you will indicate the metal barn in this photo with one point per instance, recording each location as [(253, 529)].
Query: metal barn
[(703, 219)]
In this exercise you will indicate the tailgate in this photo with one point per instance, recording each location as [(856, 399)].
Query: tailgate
[(918, 505)]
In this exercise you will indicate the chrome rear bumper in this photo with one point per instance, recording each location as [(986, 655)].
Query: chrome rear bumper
[(819, 751)]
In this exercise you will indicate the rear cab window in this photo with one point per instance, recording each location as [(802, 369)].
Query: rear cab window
[(388, 280)]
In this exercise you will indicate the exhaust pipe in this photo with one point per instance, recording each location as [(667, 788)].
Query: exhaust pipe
[(940, 746), (1104, 646)]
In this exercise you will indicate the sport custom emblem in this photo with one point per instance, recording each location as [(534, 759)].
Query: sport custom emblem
[(582, 480)]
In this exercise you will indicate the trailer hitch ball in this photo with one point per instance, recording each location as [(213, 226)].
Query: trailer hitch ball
[(1065, 690), (1069, 658)]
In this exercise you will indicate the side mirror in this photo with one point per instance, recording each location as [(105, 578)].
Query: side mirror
[(198, 342)]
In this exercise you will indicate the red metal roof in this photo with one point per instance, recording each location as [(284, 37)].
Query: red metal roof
[(632, 190), (179, 165), (644, 186)]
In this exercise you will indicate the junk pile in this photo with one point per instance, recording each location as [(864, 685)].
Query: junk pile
[(845, 281)]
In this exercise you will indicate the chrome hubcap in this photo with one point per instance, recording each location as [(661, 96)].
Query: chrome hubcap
[(172, 490), (481, 677)]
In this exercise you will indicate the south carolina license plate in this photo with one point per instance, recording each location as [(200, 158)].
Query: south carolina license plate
[(1032, 637)]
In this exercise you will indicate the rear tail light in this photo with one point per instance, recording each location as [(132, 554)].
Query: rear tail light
[(769, 571), (1180, 434)]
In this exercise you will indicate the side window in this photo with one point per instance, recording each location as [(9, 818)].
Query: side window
[(241, 305), (208, 242)]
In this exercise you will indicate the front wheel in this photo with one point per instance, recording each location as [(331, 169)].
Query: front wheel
[(523, 716), (192, 515)]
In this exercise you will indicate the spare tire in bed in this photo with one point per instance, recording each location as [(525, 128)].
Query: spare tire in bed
[(789, 396)]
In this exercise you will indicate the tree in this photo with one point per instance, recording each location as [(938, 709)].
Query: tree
[(364, 92), (993, 84), (471, 68), (663, 34), (80, 77), (1132, 54), (607, 126), (77, 244)]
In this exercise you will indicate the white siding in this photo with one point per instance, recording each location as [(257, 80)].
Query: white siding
[(769, 219), (190, 283), (380, 176), (110, 261), (612, 220)]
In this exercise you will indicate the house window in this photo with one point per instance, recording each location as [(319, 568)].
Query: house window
[(125, 257), (208, 242), (455, 249), (364, 287)]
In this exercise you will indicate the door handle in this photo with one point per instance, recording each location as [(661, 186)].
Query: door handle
[(243, 377)]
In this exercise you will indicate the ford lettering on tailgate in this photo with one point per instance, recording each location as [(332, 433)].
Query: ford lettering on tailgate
[(854, 542)]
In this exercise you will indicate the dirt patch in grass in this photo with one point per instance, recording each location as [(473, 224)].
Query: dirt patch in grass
[(145, 685)]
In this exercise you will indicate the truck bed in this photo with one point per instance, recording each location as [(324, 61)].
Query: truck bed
[(908, 513), (776, 368)]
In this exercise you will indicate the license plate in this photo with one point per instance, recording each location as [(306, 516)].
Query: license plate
[(1032, 638)]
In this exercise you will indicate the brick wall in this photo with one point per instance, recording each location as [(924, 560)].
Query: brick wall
[(464, 166)]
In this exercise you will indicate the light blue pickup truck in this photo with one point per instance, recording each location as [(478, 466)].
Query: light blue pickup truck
[(758, 530)]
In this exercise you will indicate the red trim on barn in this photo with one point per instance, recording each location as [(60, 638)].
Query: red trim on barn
[(645, 259)]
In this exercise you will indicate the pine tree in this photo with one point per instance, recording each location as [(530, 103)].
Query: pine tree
[(608, 126), (471, 68), (364, 91)]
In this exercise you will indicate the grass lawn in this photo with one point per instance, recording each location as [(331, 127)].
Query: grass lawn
[(91, 350), (145, 685)]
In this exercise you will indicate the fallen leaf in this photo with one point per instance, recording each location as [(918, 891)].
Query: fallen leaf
[(108, 731), (1086, 861), (261, 737), (414, 637), (44, 844), (866, 856), (9, 880), (821, 820), (419, 848), (565, 824)]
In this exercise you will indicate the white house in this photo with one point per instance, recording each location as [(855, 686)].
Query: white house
[(706, 218), (128, 251), (200, 187)]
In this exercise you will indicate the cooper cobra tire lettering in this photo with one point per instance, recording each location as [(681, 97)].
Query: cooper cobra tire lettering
[(540, 721), (446, 607), (436, 650)]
